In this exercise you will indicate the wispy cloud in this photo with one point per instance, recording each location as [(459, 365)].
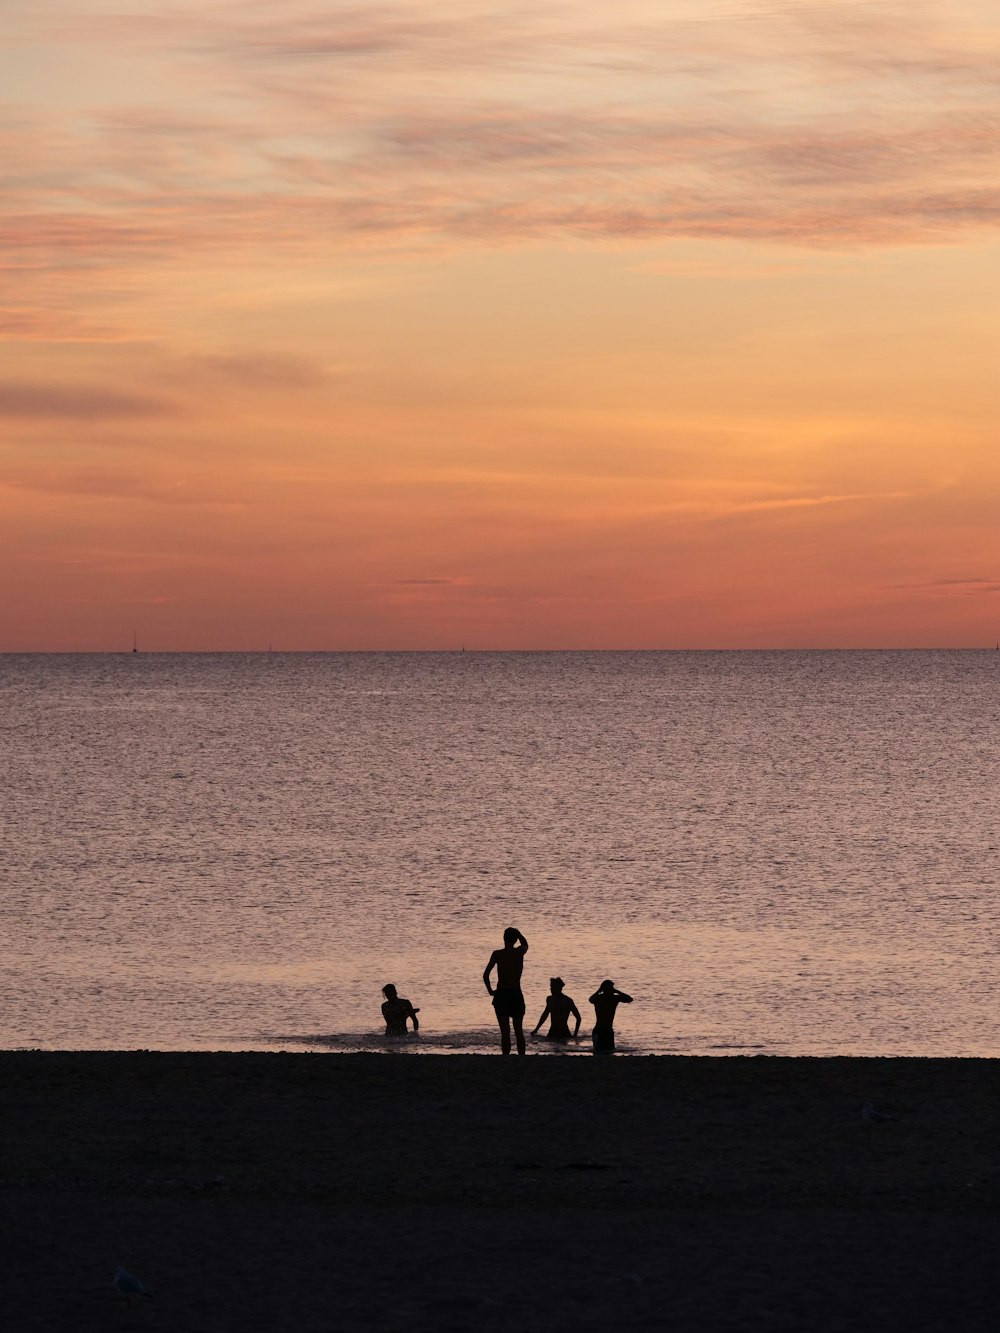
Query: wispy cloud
[(76, 402), (264, 371), (432, 583), (375, 125), (969, 585), (103, 484), (810, 501)]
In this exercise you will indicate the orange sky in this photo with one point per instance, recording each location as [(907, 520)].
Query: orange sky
[(338, 325)]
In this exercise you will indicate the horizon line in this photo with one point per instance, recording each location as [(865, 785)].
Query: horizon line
[(458, 652)]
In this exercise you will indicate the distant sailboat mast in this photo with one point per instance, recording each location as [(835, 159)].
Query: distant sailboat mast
[(135, 643)]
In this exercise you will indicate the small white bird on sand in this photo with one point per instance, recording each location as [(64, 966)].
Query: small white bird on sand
[(129, 1286)]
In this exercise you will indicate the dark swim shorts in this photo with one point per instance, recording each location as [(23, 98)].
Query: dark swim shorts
[(508, 1002)]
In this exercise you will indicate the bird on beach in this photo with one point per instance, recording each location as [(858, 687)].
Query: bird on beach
[(872, 1117), (129, 1286)]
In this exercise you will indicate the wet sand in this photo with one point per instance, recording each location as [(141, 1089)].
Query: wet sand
[(320, 1192)]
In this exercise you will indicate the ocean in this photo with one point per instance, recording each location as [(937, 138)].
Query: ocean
[(790, 852)]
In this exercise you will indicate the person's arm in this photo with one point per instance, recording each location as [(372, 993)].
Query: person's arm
[(576, 1014), (486, 975), (413, 1014), (541, 1020), (625, 999), (524, 942), (595, 997)]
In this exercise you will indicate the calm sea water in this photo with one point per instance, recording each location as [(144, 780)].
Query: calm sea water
[(777, 852)]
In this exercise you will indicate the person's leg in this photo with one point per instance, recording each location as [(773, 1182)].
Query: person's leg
[(504, 1022), (604, 1040), (518, 1034)]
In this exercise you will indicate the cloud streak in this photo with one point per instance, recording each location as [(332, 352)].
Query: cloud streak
[(75, 402), (972, 586), (106, 484)]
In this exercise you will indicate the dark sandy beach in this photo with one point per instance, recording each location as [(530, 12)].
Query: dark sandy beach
[(308, 1192)]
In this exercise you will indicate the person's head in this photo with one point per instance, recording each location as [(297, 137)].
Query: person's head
[(606, 985), (556, 984), (389, 991), (510, 936)]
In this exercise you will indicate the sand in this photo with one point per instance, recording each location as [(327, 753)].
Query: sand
[(332, 1192)]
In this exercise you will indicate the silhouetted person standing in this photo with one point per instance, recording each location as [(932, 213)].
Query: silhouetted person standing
[(396, 1011), (558, 1007), (508, 1002), (605, 1001)]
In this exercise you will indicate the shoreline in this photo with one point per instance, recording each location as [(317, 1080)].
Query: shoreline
[(477, 1044), (265, 1190), (322, 1049)]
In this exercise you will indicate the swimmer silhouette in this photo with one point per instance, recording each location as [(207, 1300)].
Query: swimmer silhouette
[(605, 1001), (508, 1002), (558, 1007), (396, 1011)]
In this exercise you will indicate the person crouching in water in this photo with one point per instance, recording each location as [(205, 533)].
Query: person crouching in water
[(605, 1001), (508, 1002), (396, 1011), (558, 1007)]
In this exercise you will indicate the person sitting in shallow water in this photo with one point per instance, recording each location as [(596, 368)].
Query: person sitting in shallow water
[(396, 1011), (558, 1008), (605, 1001)]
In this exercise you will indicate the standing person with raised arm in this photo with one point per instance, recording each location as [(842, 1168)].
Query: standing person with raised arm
[(605, 1001), (508, 1002)]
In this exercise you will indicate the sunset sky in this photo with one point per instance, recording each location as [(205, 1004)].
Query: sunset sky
[(661, 324)]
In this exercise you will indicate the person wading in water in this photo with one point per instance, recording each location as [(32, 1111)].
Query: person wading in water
[(558, 1007), (508, 1002), (396, 1011), (605, 1001)]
